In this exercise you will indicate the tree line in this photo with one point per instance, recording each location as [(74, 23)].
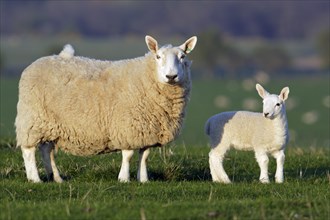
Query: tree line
[(266, 19)]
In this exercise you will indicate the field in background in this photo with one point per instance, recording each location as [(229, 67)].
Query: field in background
[(308, 104)]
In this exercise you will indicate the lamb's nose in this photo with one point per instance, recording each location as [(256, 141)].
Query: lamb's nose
[(265, 114), (171, 77)]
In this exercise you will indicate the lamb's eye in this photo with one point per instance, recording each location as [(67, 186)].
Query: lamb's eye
[(182, 57), (278, 104), (157, 57)]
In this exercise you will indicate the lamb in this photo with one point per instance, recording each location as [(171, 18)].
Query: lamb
[(264, 133), (87, 107)]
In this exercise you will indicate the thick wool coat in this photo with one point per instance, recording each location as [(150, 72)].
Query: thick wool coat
[(88, 106)]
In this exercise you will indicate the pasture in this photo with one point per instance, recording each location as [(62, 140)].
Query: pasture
[(180, 186)]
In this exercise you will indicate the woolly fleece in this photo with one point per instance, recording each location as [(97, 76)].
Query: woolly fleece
[(89, 107)]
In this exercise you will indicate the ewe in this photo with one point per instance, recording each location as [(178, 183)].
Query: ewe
[(264, 133), (86, 107)]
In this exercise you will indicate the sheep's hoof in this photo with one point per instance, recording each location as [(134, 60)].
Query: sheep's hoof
[(123, 180), (35, 180), (142, 180), (58, 180)]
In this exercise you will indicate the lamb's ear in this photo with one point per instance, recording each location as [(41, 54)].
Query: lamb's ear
[(189, 45), (152, 44), (261, 91), (284, 93)]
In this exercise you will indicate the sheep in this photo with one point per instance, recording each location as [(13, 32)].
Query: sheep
[(85, 106), (264, 133)]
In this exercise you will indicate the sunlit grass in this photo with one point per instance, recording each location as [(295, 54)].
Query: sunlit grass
[(180, 187)]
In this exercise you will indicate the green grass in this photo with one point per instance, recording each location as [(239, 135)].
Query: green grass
[(180, 187)]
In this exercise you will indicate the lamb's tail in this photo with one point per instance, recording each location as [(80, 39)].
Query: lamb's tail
[(67, 52), (207, 127)]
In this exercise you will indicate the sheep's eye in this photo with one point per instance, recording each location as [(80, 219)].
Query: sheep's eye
[(182, 56), (157, 57), (278, 104)]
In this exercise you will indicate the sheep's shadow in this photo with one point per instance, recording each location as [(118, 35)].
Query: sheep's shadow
[(49, 179)]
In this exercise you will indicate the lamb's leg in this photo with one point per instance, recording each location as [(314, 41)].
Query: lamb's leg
[(216, 167), (263, 160), (124, 170), (142, 175), (280, 157), (30, 164), (47, 152)]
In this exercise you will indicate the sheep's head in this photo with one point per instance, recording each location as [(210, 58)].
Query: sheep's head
[(172, 63), (273, 105)]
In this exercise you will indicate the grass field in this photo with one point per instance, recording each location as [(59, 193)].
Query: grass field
[(180, 186)]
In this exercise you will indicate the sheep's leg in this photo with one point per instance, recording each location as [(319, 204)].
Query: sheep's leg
[(124, 170), (47, 152), (30, 164), (280, 157), (216, 167), (142, 175), (263, 160), (56, 173)]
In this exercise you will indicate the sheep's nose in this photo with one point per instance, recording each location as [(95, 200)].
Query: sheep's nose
[(171, 77), (265, 114)]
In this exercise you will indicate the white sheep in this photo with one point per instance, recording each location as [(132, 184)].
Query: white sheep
[(264, 133), (86, 107)]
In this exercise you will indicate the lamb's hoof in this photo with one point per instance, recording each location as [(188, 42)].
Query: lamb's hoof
[(222, 181), (264, 180), (279, 180), (226, 182)]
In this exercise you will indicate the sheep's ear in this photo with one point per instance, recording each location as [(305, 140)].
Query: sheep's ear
[(152, 44), (189, 45), (261, 91), (284, 93)]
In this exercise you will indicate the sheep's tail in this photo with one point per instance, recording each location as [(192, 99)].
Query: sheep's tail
[(207, 127), (67, 52)]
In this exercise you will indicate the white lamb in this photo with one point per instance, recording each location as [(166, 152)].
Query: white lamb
[(87, 107), (264, 133)]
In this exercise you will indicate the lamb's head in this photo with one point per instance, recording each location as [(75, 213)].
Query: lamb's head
[(273, 105), (172, 63)]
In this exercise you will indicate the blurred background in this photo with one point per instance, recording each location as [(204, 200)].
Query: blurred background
[(275, 43)]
